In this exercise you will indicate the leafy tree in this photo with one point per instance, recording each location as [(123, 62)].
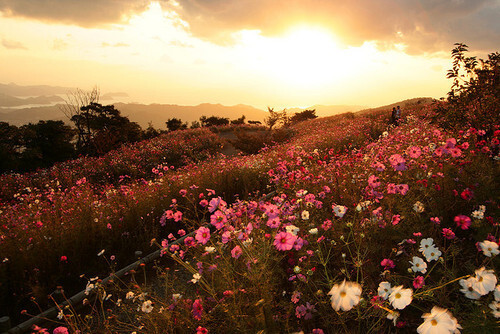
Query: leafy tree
[(150, 132), (174, 124), (195, 125), (213, 121), (474, 98), (103, 128), (303, 116), (45, 143), (10, 143), (239, 121), (276, 118)]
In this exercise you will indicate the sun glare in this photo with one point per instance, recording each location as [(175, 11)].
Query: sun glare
[(302, 57)]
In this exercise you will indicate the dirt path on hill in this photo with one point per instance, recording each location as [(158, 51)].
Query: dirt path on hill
[(228, 149)]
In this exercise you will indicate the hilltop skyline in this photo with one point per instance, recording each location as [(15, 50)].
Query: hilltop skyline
[(258, 53)]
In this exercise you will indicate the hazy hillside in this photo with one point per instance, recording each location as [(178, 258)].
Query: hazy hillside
[(323, 111), (16, 90), (12, 101), (159, 113), (403, 104)]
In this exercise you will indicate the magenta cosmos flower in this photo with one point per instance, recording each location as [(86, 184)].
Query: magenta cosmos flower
[(284, 241), (202, 235)]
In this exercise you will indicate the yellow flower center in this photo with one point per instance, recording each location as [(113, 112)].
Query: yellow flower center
[(343, 294), (398, 295), (480, 279), (434, 322)]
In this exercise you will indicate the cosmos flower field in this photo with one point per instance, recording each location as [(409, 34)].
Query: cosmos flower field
[(353, 225)]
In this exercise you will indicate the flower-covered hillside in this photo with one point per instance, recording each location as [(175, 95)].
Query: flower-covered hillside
[(397, 235)]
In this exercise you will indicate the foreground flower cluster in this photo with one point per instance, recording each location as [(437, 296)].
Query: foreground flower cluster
[(358, 233)]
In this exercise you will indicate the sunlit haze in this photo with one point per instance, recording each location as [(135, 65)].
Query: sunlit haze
[(160, 53)]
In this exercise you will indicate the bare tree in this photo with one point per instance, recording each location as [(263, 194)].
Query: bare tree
[(72, 108)]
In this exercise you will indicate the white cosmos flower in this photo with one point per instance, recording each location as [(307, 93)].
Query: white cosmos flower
[(418, 207), (384, 290), (339, 210), (432, 253), (425, 244), (305, 215), (477, 214), (489, 248), (440, 320), (400, 298), (345, 295), (418, 265), (209, 249), (147, 306), (292, 229), (394, 316), (497, 293), (468, 288), (485, 281), (495, 308), (313, 231), (196, 278), (129, 295)]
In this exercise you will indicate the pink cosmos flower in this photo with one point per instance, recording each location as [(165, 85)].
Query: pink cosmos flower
[(298, 244), (202, 235), (218, 219), (396, 219), (448, 234), (418, 282), (455, 152), (467, 194), (236, 252), (397, 162), (284, 241), (403, 188), (272, 211), (216, 203), (387, 264), (60, 330), (379, 167), (226, 236), (189, 241), (201, 330), (273, 222), (414, 152), (327, 224), (373, 181), (197, 309), (177, 216), (436, 220), (391, 188), (462, 221)]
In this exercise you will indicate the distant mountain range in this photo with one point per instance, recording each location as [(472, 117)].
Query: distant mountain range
[(29, 104)]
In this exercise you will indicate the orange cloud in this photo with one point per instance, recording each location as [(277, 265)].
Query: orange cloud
[(423, 25), (89, 13)]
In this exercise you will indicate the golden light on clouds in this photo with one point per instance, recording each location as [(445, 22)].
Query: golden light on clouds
[(171, 52)]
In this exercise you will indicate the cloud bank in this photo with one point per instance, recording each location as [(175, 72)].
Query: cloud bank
[(422, 25)]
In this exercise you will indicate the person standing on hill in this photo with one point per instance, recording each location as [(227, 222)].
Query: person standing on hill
[(398, 115), (393, 116)]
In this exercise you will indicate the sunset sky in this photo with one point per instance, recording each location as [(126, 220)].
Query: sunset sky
[(257, 52)]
